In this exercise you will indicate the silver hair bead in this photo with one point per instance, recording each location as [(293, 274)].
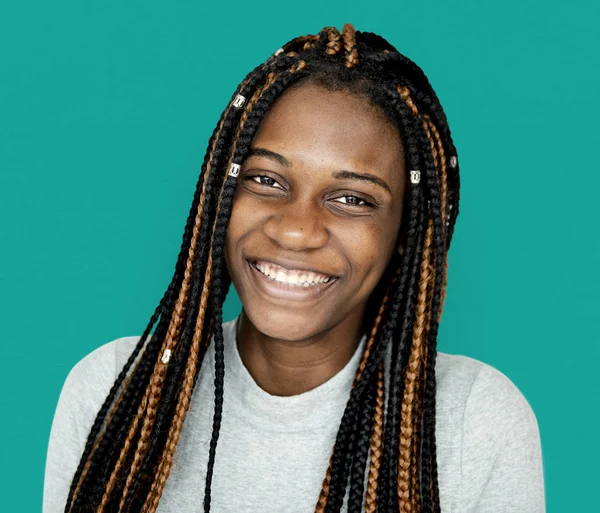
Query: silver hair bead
[(239, 101), (234, 170), (166, 356), (278, 51), (453, 162), (415, 176)]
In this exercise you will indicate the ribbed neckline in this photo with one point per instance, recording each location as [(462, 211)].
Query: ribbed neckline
[(320, 406)]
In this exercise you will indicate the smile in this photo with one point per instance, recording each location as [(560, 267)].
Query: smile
[(299, 278), (278, 282)]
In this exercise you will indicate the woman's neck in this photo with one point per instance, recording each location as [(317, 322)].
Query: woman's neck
[(285, 368)]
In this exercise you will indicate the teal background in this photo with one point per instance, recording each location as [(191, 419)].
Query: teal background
[(105, 113)]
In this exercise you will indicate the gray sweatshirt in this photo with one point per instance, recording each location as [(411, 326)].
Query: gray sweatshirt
[(273, 451)]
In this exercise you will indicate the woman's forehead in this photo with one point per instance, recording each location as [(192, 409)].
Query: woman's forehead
[(316, 127)]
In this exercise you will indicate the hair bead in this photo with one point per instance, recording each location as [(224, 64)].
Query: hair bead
[(166, 356), (239, 101), (453, 162), (234, 170), (415, 176)]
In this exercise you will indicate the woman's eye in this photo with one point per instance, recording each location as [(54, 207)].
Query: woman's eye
[(354, 201), (262, 180)]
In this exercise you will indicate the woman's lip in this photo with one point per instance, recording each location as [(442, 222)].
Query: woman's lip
[(289, 269), (275, 289)]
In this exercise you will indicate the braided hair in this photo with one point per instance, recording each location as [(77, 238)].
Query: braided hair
[(387, 437)]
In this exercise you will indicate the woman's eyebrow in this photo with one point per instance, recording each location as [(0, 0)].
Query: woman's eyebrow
[(339, 175), (263, 152), (363, 177)]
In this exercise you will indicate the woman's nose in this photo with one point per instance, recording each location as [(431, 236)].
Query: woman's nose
[(297, 227)]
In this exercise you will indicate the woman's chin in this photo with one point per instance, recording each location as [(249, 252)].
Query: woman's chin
[(285, 325)]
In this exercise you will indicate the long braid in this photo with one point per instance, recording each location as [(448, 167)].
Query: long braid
[(95, 436), (275, 86), (411, 406), (418, 411), (149, 405), (189, 225), (368, 437), (322, 502), (444, 202), (185, 394), (429, 448), (361, 449), (376, 445), (163, 308), (345, 436), (412, 372), (203, 217), (411, 264), (191, 368), (391, 447), (431, 164)]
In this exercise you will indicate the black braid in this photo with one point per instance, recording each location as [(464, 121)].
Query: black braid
[(179, 358), (361, 450), (428, 440), (388, 337), (140, 380), (175, 371), (143, 372), (115, 431), (219, 292), (391, 438), (108, 402), (389, 471)]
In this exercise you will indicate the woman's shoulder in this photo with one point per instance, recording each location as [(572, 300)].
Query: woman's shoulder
[(485, 394), (455, 371), (489, 427), (93, 375), (83, 393), (104, 359)]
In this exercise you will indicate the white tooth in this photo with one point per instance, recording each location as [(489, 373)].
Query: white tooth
[(299, 278)]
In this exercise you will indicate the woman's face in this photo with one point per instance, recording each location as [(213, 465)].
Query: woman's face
[(329, 201)]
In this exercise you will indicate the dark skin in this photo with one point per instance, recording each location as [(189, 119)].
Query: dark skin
[(301, 213)]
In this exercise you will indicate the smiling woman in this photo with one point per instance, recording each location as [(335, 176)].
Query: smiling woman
[(328, 198), (319, 195)]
